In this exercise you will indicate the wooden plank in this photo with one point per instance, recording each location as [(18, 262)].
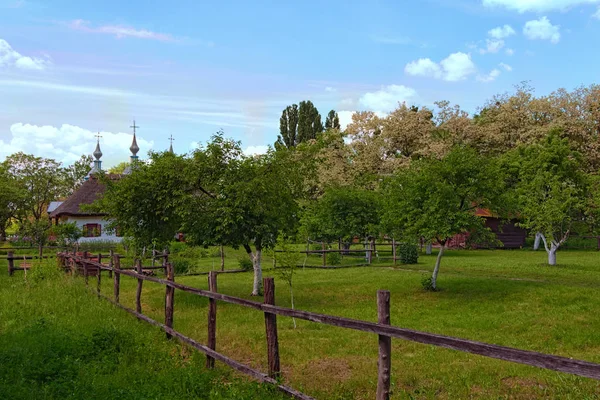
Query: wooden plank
[(99, 277), (324, 255), (384, 364), (111, 257), (169, 298), (212, 319), (116, 277), (138, 292), (394, 251), (271, 329)]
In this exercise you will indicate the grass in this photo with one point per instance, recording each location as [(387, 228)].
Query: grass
[(503, 297), (58, 342)]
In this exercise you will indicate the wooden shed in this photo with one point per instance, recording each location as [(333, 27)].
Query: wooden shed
[(507, 232)]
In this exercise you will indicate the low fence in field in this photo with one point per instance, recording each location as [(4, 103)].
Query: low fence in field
[(87, 267)]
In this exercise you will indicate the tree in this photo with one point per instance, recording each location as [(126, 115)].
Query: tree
[(74, 175), (37, 230), (146, 204), (12, 198), (119, 168), (437, 198), (41, 178), (287, 261), (67, 233), (309, 122), (241, 201), (332, 121), (551, 187), (288, 127)]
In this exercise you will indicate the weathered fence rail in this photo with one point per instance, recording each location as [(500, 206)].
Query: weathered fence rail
[(382, 328)]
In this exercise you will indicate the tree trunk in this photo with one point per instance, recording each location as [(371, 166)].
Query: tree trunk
[(437, 265), (256, 263), (429, 248), (552, 254), (537, 241), (292, 298), (554, 245), (41, 250)]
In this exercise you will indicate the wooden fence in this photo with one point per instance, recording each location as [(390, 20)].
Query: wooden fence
[(382, 328)]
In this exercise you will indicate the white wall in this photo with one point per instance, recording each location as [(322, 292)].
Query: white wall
[(104, 236)]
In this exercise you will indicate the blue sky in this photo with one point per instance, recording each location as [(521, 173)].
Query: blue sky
[(188, 68)]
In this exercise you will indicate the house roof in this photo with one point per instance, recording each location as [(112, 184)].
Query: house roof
[(53, 206), (90, 191)]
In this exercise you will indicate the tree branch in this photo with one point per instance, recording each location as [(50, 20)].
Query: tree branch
[(545, 242)]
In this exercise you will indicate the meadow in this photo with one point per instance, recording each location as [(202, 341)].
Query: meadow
[(502, 297)]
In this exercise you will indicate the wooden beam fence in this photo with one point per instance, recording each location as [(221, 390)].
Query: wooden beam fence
[(383, 329)]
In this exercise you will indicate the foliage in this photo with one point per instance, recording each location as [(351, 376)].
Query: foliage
[(427, 283), (332, 121), (181, 266), (245, 263), (38, 231), (67, 233), (288, 127), (334, 259), (408, 253), (309, 121), (74, 175), (119, 168), (146, 204), (12, 197)]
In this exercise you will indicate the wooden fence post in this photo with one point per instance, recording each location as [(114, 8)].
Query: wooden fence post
[(394, 250), (11, 263), (99, 277), (138, 293), (85, 267), (324, 254), (271, 328), (384, 365), (117, 277), (212, 318), (165, 261), (111, 263), (169, 297)]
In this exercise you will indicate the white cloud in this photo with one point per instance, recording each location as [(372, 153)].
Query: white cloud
[(506, 67), (68, 142), (596, 14), (121, 31), (542, 29), (254, 150), (537, 5), (12, 58), (501, 32), (492, 46), (489, 77), (509, 52), (330, 89), (387, 98), (456, 67), (345, 118)]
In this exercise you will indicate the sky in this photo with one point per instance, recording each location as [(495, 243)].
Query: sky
[(71, 69)]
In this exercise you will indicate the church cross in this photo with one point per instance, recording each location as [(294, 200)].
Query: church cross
[(134, 126)]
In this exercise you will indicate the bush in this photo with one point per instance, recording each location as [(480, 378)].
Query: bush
[(427, 283), (181, 267), (177, 247), (408, 253), (245, 263), (334, 259)]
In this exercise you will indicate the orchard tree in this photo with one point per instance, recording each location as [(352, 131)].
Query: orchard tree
[(41, 178), (241, 201), (437, 198), (146, 204), (551, 187), (12, 198)]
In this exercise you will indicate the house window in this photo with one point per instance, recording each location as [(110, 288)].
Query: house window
[(92, 230)]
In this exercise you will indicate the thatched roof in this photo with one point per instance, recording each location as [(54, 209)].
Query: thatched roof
[(90, 191)]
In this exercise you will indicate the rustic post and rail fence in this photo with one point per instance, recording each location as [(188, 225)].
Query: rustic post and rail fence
[(382, 328)]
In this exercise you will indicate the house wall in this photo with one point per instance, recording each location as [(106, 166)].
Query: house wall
[(511, 236), (104, 236)]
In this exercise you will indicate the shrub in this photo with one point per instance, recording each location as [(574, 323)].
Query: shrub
[(334, 259), (408, 253), (181, 267), (245, 263), (177, 247), (427, 283)]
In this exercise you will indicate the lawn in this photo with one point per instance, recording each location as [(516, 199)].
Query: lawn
[(503, 297), (58, 342)]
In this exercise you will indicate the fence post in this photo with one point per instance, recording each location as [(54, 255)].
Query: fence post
[(138, 293), (212, 318), (384, 365), (110, 262), (11, 263), (169, 297), (165, 261), (99, 277), (117, 277), (394, 250), (324, 254), (85, 267), (271, 328)]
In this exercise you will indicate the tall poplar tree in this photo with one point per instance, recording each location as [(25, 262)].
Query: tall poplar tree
[(288, 127), (309, 121), (332, 121)]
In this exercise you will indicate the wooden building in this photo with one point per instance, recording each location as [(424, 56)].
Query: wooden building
[(507, 232)]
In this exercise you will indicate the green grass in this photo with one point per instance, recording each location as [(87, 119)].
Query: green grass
[(58, 342), (503, 297)]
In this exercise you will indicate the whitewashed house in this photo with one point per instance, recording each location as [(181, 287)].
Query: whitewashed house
[(92, 224)]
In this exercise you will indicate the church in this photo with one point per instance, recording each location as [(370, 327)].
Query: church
[(92, 225)]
